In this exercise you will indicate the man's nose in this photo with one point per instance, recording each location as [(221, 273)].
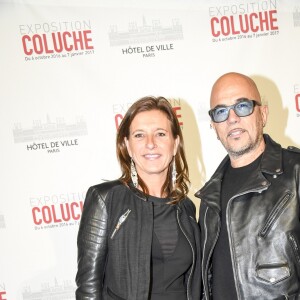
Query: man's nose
[(232, 116)]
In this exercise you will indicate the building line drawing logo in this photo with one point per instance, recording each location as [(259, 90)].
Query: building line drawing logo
[(2, 221), (296, 16), (49, 130), (145, 33), (58, 291)]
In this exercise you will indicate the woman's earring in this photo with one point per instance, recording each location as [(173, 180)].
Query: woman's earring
[(133, 174), (174, 173)]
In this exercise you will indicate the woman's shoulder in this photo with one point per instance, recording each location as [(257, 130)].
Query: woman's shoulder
[(188, 204), (106, 185), (102, 189)]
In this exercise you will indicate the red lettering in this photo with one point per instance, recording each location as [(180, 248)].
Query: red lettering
[(253, 22), (87, 40), (57, 214), (273, 20), (212, 21), (37, 44), (76, 205), (54, 215), (2, 294), (225, 28), (46, 212), (245, 28), (64, 217), (253, 17), (58, 47), (57, 42), (26, 51), (177, 115), (232, 26), (118, 119), (77, 40), (297, 100), (65, 34), (46, 44), (35, 220), (264, 20)]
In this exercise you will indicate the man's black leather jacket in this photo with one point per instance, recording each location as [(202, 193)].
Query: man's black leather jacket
[(114, 260), (263, 222)]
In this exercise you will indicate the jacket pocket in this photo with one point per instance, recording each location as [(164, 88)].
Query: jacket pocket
[(273, 273), (120, 222), (275, 213), (113, 295)]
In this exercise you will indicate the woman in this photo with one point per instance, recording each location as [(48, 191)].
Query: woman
[(138, 237)]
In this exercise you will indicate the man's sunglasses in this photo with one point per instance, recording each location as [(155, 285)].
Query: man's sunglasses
[(243, 108)]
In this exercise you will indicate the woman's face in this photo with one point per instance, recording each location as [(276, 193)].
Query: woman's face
[(151, 144)]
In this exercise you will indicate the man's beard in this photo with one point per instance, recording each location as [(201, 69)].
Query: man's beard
[(236, 153), (249, 147)]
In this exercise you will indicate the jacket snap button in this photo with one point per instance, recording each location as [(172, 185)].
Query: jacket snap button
[(264, 183), (274, 176), (272, 279), (277, 170)]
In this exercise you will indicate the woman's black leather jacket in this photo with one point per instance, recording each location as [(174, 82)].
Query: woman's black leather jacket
[(114, 244)]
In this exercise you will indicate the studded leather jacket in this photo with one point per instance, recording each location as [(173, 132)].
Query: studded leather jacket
[(114, 244), (263, 223)]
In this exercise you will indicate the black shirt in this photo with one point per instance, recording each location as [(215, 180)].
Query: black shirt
[(171, 254), (223, 279)]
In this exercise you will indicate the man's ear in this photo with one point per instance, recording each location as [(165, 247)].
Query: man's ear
[(264, 109)]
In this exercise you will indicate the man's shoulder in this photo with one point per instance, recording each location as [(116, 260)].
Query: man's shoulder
[(293, 149), (277, 146), (291, 154)]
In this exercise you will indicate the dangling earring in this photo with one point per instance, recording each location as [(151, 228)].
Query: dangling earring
[(174, 173), (133, 174)]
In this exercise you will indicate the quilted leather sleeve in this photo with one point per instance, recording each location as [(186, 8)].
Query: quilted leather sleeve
[(92, 247)]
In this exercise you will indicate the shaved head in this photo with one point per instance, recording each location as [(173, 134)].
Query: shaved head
[(227, 84)]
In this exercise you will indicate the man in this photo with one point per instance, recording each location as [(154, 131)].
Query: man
[(249, 213)]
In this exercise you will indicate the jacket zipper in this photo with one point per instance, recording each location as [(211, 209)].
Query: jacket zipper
[(233, 262), (188, 282), (120, 221), (276, 211), (295, 246), (209, 254), (229, 237)]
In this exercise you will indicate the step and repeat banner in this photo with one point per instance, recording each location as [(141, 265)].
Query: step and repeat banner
[(70, 70)]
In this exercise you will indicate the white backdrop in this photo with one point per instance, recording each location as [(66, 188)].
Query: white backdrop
[(70, 69)]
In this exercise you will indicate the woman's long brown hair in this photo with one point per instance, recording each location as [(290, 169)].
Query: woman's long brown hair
[(149, 103)]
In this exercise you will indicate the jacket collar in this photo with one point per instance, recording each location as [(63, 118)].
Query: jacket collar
[(137, 192), (145, 197), (271, 163)]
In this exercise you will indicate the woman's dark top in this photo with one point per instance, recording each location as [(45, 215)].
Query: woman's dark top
[(171, 254)]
